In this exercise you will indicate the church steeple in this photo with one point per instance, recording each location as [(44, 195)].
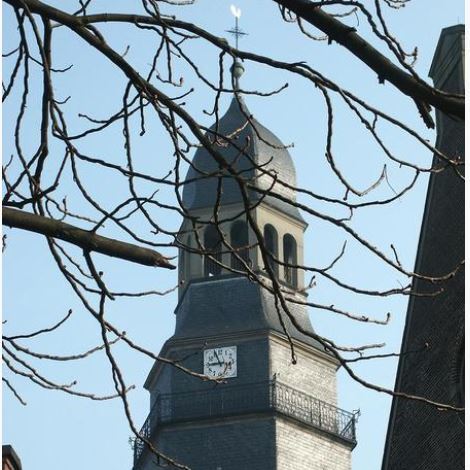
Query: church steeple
[(228, 325), (261, 159)]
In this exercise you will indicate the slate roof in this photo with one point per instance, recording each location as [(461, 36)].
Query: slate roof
[(262, 148), (420, 436), (449, 51), (234, 304)]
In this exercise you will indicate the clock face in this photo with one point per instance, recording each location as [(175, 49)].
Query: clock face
[(221, 362)]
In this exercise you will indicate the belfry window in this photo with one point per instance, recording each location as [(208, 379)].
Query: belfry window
[(290, 260), (239, 242), (271, 244), (212, 245)]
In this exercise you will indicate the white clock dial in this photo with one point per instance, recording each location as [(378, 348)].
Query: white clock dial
[(221, 362)]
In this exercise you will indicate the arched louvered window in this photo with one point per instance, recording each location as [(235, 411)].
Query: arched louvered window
[(271, 244), (212, 245), (290, 258), (239, 242)]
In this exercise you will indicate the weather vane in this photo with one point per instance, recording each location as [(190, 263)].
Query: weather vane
[(236, 31)]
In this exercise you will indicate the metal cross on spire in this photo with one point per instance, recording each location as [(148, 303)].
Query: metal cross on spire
[(236, 31)]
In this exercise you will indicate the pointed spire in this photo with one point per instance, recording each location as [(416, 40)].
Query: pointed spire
[(237, 68)]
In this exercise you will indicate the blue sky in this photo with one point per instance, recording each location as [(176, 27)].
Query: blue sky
[(59, 431)]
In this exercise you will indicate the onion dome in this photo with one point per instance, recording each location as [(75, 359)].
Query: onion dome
[(254, 146)]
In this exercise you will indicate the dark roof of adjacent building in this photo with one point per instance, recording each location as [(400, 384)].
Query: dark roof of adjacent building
[(421, 436), (10, 459), (449, 52), (246, 145)]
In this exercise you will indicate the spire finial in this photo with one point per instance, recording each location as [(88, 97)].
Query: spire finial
[(237, 68), (236, 31)]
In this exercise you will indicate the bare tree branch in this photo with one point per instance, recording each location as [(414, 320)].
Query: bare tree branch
[(84, 239), (381, 65)]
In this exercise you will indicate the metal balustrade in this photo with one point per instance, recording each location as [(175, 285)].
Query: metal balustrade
[(258, 397)]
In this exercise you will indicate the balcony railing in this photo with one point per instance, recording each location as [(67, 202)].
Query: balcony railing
[(244, 399)]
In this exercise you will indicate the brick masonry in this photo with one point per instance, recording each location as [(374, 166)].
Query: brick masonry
[(299, 448), (311, 374)]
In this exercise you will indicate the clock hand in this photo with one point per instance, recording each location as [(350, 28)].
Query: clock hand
[(220, 363)]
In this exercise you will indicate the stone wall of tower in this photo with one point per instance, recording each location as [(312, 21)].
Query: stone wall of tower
[(300, 448), (255, 440), (259, 359), (314, 374)]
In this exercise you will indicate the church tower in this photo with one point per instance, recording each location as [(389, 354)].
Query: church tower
[(269, 413), (419, 435)]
